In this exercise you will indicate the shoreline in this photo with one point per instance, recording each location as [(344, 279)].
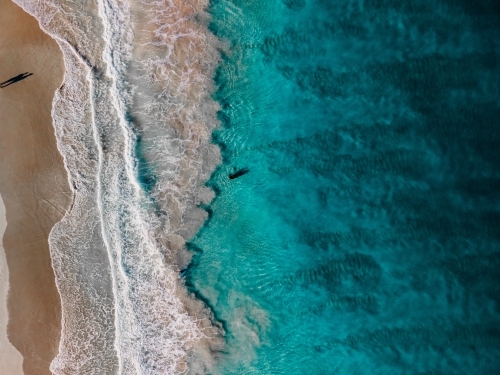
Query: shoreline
[(88, 131), (33, 184)]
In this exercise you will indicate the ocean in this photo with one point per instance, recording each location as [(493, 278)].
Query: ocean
[(326, 170), (365, 237)]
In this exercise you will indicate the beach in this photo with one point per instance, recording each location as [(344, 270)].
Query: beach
[(132, 122), (33, 185), (11, 360)]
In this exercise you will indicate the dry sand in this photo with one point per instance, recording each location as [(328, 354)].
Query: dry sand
[(11, 361), (33, 184)]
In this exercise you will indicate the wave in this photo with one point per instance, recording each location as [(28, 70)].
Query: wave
[(133, 121)]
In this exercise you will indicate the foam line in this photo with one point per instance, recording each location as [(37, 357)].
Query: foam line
[(117, 253)]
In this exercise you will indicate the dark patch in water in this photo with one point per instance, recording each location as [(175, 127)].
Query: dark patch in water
[(145, 171), (239, 173)]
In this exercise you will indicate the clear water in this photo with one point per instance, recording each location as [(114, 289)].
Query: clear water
[(365, 238)]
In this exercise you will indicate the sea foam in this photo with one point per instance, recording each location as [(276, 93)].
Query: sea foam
[(133, 122)]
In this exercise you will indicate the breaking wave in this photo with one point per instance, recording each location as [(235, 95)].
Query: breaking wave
[(133, 121)]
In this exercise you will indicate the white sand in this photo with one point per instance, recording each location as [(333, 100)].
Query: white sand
[(11, 361)]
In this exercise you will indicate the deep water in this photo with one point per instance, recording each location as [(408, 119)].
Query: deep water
[(365, 238)]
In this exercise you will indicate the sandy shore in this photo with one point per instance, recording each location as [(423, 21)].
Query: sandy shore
[(11, 361), (33, 184)]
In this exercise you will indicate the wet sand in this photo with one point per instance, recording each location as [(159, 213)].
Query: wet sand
[(33, 185)]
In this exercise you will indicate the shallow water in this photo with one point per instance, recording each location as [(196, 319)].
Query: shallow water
[(365, 238)]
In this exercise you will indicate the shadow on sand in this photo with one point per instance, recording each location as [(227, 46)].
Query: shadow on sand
[(15, 79)]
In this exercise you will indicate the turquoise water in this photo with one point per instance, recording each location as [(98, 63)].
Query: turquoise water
[(365, 238)]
